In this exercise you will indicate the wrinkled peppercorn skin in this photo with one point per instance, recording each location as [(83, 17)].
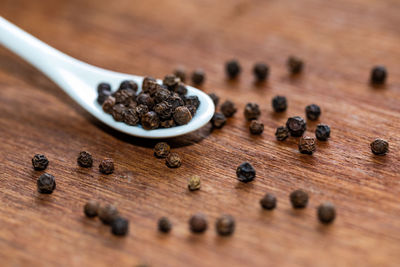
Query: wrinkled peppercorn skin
[(256, 127), (307, 145), (46, 183), (173, 160), (198, 77), (296, 126), (279, 103), (182, 115), (228, 108), (379, 147), (218, 120), (40, 162), (281, 133), (161, 150), (85, 159), (295, 65), (150, 120), (245, 172), (322, 132), (313, 112), (225, 225), (261, 71), (299, 199), (106, 166), (194, 183), (252, 111)]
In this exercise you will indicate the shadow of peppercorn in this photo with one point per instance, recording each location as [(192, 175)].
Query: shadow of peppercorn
[(278, 115), (260, 84), (377, 86), (233, 84), (323, 228)]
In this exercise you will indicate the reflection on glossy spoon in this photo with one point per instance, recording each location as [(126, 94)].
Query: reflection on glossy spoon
[(79, 80)]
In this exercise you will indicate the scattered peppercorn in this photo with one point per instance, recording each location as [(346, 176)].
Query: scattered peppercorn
[(322, 132), (379, 147), (378, 75), (91, 208), (218, 120), (313, 112), (106, 166), (307, 145), (85, 159), (279, 103), (182, 115), (326, 212), (194, 183), (46, 183), (173, 160), (214, 98), (161, 150), (281, 133), (198, 77), (261, 71), (256, 127), (268, 202), (295, 65), (164, 225), (228, 108), (296, 126), (252, 111), (120, 226), (40, 162), (299, 199), (198, 223), (245, 172), (180, 73), (232, 68), (108, 213), (225, 225)]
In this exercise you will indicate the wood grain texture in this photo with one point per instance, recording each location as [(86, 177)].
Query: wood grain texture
[(339, 40)]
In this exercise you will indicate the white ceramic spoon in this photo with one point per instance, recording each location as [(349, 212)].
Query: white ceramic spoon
[(79, 80)]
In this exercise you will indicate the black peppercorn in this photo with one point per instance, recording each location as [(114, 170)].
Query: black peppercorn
[(145, 99), (232, 68), (192, 100), (326, 212), (281, 133), (167, 123), (106, 166), (194, 183), (173, 160), (40, 162), (245, 172), (171, 81), (322, 132), (118, 112), (174, 100), (164, 225), (192, 109), (225, 225), (180, 73), (163, 110), (108, 104), (279, 103), (46, 183), (307, 145), (161, 150), (150, 120), (161, 95), (85, 159), (124, 96), (120, 226), (181, 89), (108, 213), (296, 126), (295, 65), (379, 147), (228, 108), (198, 223), (252, 111), (91, 208), (182, 115), (299, 199), (256, 127), (128, 84), (313, 112), (148, 82), (261, 71), (268, 202), (141, 110), (101, 97), (218, 120), (103, 87), (130, 116), (198, 77), (378, 75), (214, 98)]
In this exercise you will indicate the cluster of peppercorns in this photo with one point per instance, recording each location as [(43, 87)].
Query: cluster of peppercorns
[(163, 150), (85, 160), (156, 106), (227, 110), (108, 215), (198, 76)]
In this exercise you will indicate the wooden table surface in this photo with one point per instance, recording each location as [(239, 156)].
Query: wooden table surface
[(339, 40)]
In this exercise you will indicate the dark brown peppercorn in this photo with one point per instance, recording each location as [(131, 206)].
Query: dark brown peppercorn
[(279, 103), (103, 87), (307, 145), (198, 223), (268, 202), (182, 115), (214, 98), (108, 213), (261, 71), (124, 96), (150, 120), (130, 116), (379, 147), (40, 162), (85, 159), (192, 109), (299, 199), (198, 77), (180, 73), (232, 69), (245, 172), (109, 104), (164, 225), (218, 120), (128, 84), (147, 82), (120, 226), (101, 97), (295, 65), (118, 112), (173, 160), (256, 127), (296, 126), (281, 133), (91, 208), (171, 81), (313, 112), (252, 111), (161, 150), (192, 100), (145, 99), (46, 183), (161, 95), (378, 75), (167, 123), (225, 225), (141, 110), (181, 89), (228, 108), (106, 166), (174, 100), (194, 183), (322, 132), (163, 110), (326, 212)]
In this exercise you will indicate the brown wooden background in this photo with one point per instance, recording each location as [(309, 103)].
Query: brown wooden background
[(340, 42)]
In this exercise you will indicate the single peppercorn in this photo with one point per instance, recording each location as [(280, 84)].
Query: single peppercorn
[(130, 116), (182, 115), (101, 97), (46, 183), (173, 160), (198, 77), (145, 99), (252, 111), (225, 225), (232, 68), (322, 132), (218, 120), (141, 110), (174, 100), (128, 84), (120, 226), (91, 208), (147, 83), (245, 172), (313, 112), (192, 109), (161, 95), (163, 110), (295, 65), (279, 103), (40, 162), (378, 75), (108, 104), (124, 96), (171, 81), (192, 100), (379, 147), (181, 89), (326, 212), (101, 87), (108, 213), (161, 150), (256, 127), (164, 225), (117, 112), (150, 120), (180, 73), (194, 183), (214, 98), (307, 145), (85, 159), (261, 71), (268, 202), (281, 133), (299, 199), (106, 166), (228, 108), (296, 126), (198, 223)]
